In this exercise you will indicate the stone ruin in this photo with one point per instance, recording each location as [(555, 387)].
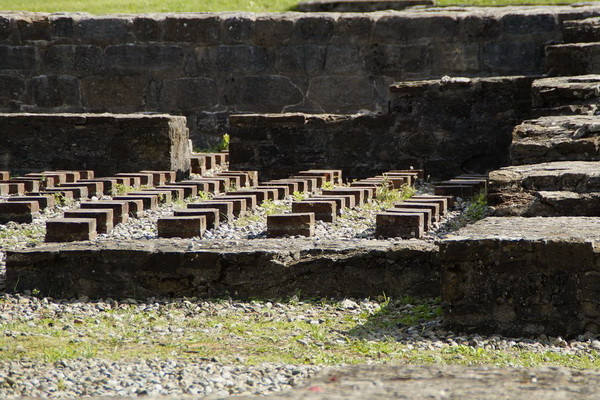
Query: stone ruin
[(496, 99)]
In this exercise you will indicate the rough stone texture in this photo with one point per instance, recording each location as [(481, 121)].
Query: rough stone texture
[(358, 6), (205, 66), (573, 59), (546, 189), (566, 95), (585, 30), (105, 143), (523, 276), (556, 138), (442, 381), (253, 268), (446, 127)]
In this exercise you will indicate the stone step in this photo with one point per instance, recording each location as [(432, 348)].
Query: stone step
[(568, 95), (556, 138), (523, 276), (569, 188), (582, 31), (573, 59)]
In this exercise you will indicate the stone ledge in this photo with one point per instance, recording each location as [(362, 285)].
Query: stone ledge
[(247, 268), (523, 276)]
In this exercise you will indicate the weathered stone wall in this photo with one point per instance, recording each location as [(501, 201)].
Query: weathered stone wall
[(446, 127), (523, 276), (205, 66), (104, 143), (272, 268)]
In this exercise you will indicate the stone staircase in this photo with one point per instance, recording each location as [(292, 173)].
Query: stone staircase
[(555, 158)]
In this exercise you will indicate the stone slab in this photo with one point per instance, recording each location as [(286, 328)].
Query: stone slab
[(523, 276), (105, 143), (565, 188), (556, 138), (267, 268)]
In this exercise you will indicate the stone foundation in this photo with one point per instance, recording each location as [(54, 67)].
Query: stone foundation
[(446, 127), (523, 277), (269, 268), (105, 143), (206, 66)]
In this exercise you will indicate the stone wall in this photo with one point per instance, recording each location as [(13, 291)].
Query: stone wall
[(273, 268), (523, 277), (446, 127), (104, 143), (205, 66)]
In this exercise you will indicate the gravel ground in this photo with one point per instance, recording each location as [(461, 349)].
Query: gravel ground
[(203, 376)]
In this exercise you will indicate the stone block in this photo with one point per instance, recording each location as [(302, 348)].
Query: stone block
[(202, 29), (181, 227), (244, 179), (462, 191), (77, 192), (115, 92), (28, 185), (135, 205), (225, 208), (297, 224), (341, 93), (18, 58), (72, 59), (132, 58), (19, 211), (283, 191), (70, 229), (342, 201), (103, 30), (104, 143), (441, 201), (50, 91), (163, 196), (144, 179), (177, 193), (402, 225), (120, 209), (103, 216), (358, 193), (43, 201), (427, 215), (261, 194), (188, 93), (149, 201), (323, 210), (267, 93), (161, 176), (249, 199), (211, 215), (433, 207), (93, 188), (291, 185), (188, 190), (517, 276), (198, 164), (304, 58)]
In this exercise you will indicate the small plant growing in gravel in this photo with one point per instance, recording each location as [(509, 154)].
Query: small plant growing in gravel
[(478, 207), (299, 196), (224, 145), (327, 185), (202, 195), (121, 189), (387, 196), (271, 207)]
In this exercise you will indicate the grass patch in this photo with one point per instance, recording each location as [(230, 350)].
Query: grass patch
[(316, 332), (147, 6)]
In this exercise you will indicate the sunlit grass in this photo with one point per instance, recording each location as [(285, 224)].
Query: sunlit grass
[(148, 6)]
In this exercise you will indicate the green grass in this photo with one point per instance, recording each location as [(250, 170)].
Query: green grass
[(146, 6), (321, 332)]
